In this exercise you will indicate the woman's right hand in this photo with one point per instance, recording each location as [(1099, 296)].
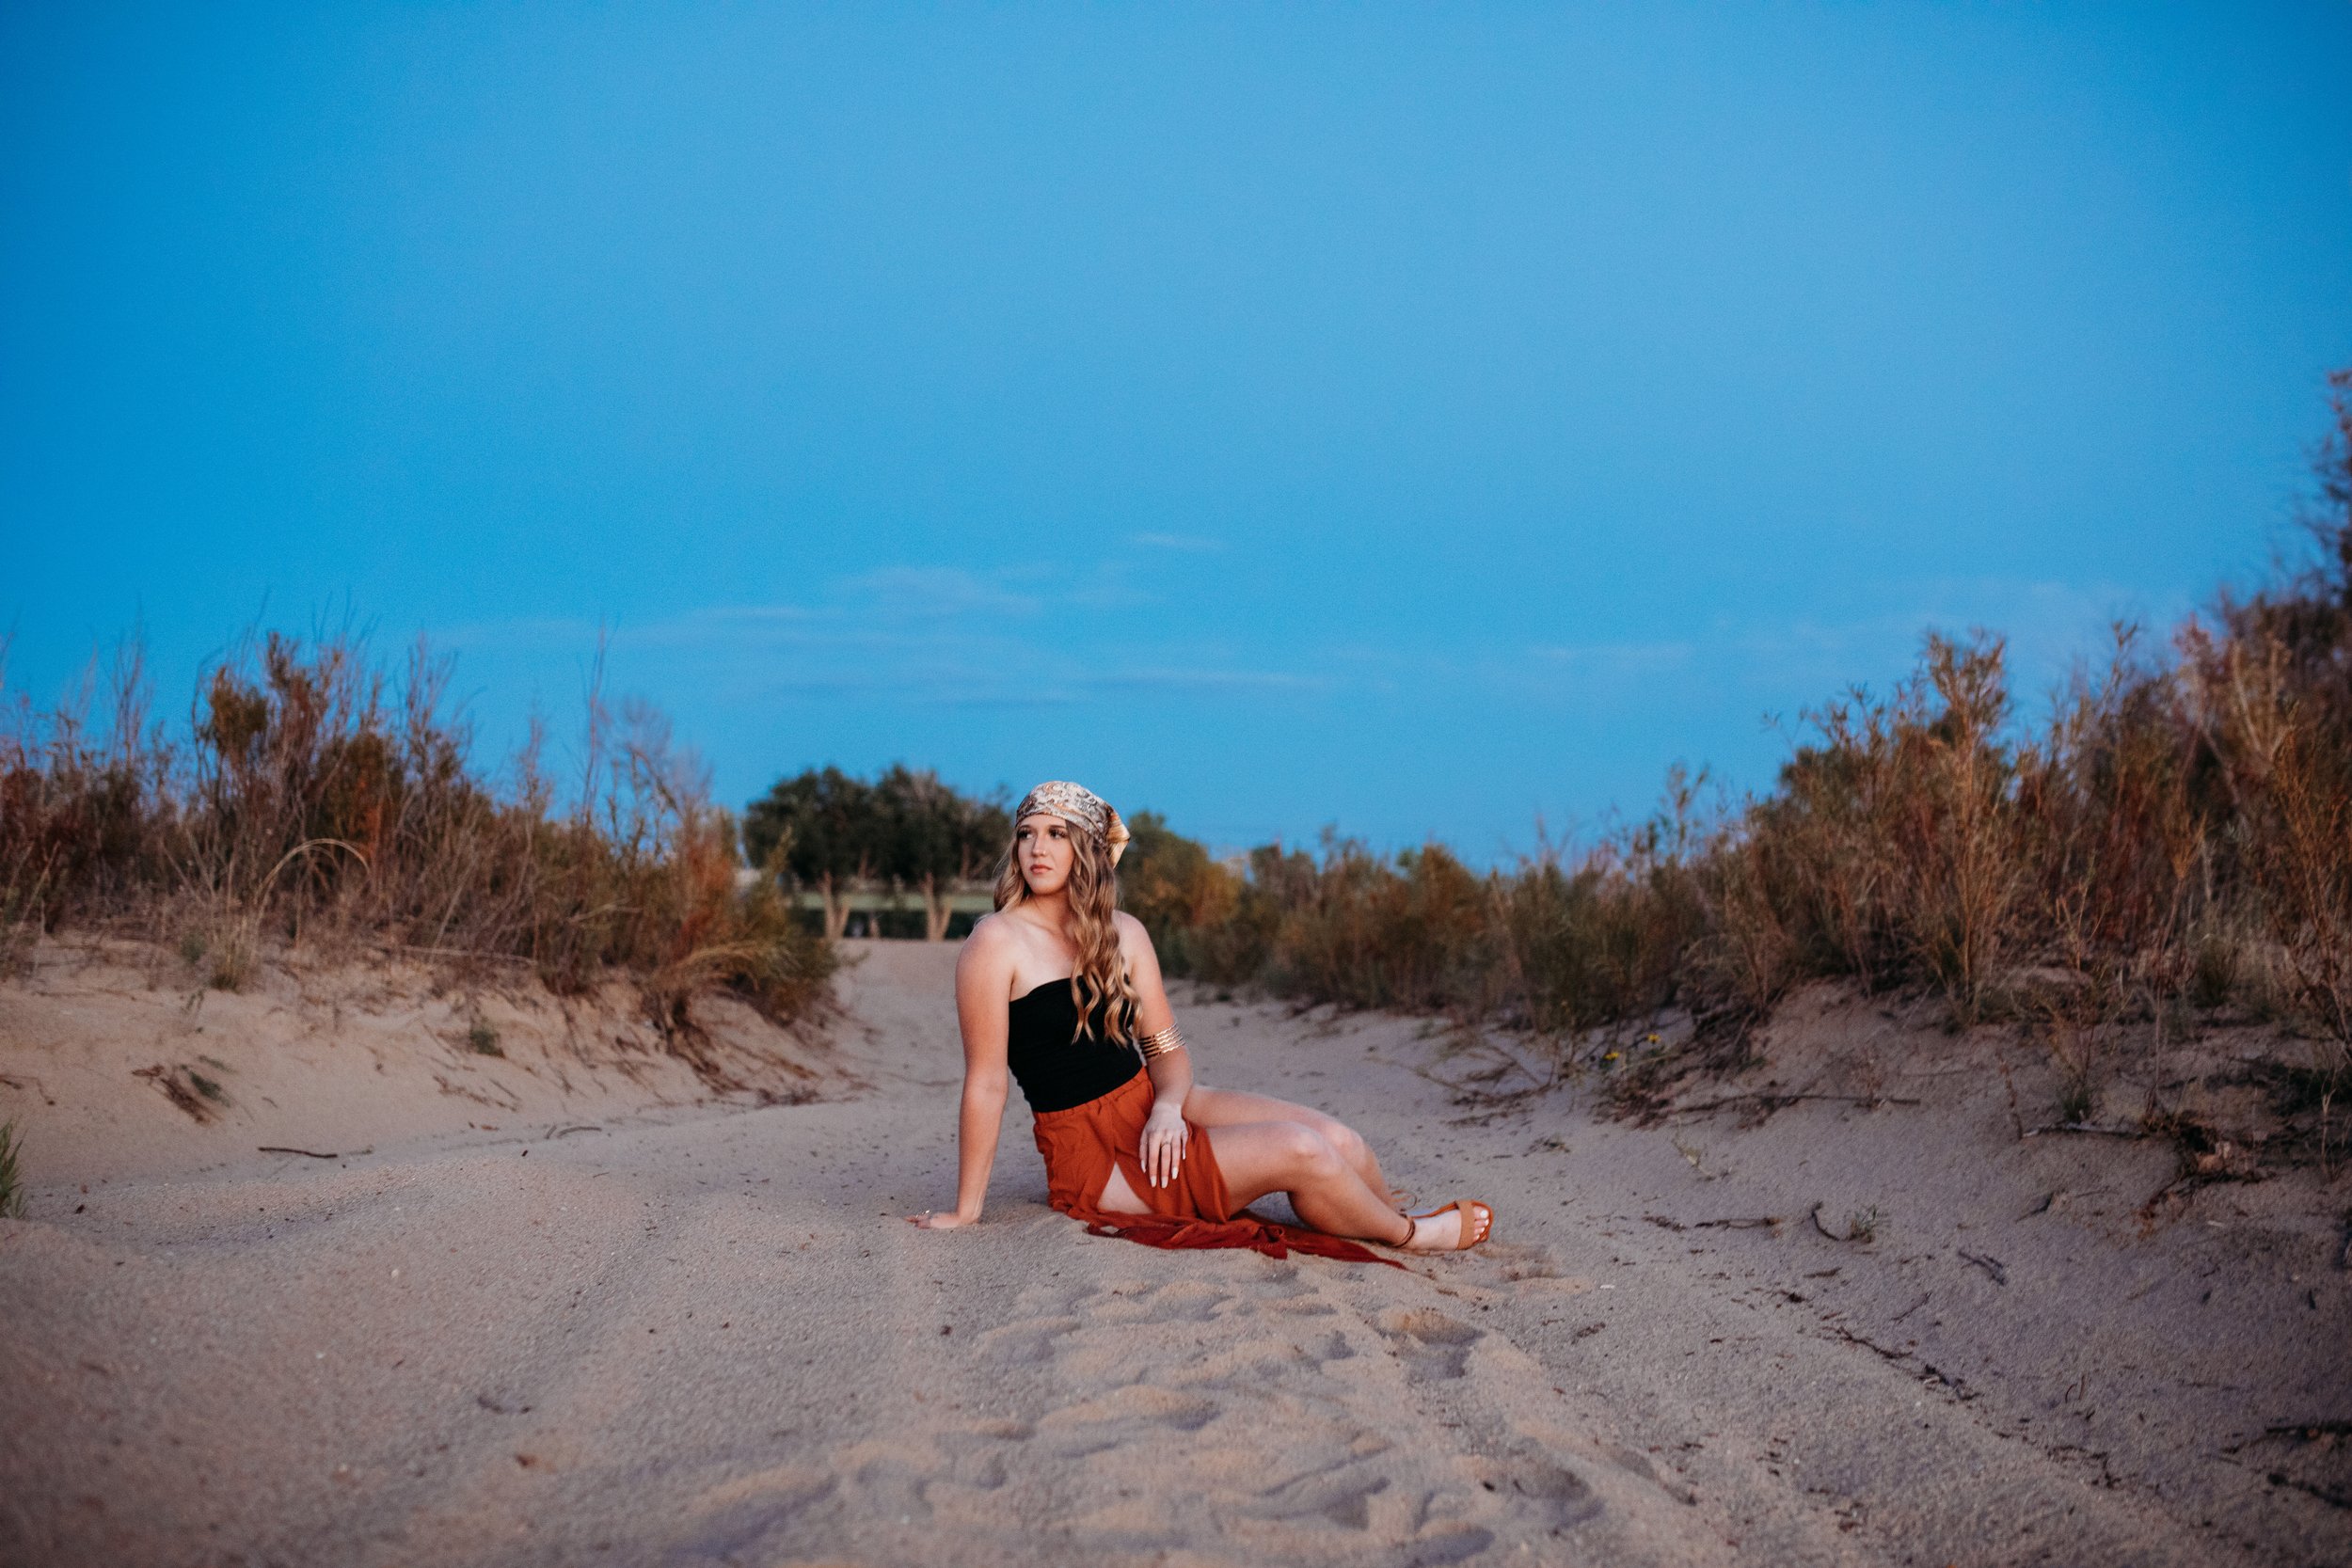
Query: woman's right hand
[(950, 1220)]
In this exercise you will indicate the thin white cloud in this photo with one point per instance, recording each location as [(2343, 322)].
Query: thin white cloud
[(2048, 628), (934, 636), (933, 590), (1192, 542), (1211, 678), (1615, 660), (755, 612)]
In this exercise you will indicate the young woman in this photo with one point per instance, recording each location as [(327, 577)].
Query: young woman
[(1062, 992)]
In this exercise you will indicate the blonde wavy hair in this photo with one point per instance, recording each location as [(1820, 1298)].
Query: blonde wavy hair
[(1100, 976)]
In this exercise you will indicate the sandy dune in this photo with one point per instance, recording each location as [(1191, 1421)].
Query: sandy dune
[(696, 1332)]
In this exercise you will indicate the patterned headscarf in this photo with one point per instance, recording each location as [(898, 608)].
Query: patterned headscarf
[(1079, 806)]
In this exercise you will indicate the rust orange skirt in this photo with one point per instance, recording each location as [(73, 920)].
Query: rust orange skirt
[(1084, 1143)]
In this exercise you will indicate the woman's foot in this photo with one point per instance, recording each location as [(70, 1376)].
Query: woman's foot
[(1455, 1227)]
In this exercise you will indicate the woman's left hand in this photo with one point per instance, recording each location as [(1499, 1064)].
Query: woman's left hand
[(1162, 1148)]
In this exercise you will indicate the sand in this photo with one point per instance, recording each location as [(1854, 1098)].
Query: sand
[(575, 1305)]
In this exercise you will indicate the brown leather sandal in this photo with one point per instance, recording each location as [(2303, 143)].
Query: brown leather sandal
[(1478, 1223)]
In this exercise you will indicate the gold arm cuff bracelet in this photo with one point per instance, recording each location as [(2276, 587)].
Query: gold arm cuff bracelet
[(1160, 1042)]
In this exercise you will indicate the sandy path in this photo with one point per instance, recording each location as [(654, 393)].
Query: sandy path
[(707, 1338)]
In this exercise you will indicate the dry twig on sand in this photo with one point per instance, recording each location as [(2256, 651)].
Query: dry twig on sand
[(2088, 1128), (1862, 1230), (1768, 1102), (1991, 1265)]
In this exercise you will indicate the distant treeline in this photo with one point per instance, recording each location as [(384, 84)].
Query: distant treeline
[(312, 795), (826, 829), (2176, 837)]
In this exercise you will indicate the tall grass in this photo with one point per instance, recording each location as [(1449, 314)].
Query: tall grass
[(2176, 834), (312, 795)]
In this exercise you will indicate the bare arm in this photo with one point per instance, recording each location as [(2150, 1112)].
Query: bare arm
[(1166, 1137), (983, 985)]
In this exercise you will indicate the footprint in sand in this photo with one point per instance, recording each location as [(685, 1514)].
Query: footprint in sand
[(1430, 1344), (738, 1521), (1025, 1343)]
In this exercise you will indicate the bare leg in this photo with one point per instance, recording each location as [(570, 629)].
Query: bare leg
[(1262, 1157), (1234, 1107), (1119, 1197)]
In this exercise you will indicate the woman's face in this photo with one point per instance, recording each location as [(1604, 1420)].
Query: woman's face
[(1043, 846)]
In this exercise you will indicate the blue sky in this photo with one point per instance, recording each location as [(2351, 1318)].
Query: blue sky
[(1425, 420)]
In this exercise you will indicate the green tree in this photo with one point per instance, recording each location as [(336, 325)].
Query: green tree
[(930, 837), (828, 830), (819, 829)]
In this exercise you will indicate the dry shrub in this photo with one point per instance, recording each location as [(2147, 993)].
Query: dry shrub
[(1550, 945), (1608, 939), (1419, 933), (1891, 850), (310, 796), (1183, 899)]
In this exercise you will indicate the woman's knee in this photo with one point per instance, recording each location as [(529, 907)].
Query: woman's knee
[(1313, 1153), (1344, 1140), (1274, 1156)]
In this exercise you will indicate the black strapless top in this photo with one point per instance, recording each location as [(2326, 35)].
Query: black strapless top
[(1054, 1070)]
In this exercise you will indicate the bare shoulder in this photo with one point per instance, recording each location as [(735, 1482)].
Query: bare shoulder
[(990, 951), (988, 932), (1133, 939)]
